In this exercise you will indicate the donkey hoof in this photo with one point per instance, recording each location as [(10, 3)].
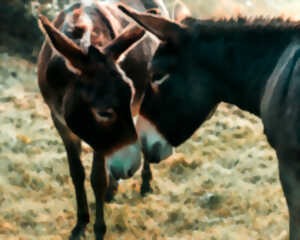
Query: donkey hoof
[(146, 190), (78, 233), (99, 238), (110, 196), (77, 237)]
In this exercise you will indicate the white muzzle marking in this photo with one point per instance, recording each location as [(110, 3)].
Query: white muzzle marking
[(149, 137), (125, 162)]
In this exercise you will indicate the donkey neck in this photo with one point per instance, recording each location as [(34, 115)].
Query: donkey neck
[(242, 57)]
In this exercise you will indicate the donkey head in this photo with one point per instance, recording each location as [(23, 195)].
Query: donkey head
[(181, 94), (97, 104)]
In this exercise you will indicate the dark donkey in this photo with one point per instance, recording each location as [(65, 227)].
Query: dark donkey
[(91, 99), (252, 64)]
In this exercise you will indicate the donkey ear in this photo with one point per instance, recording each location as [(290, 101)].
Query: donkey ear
[(121, 43), (164, 29), (64, 45)]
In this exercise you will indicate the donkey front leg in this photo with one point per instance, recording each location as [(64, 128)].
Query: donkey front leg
[(154, 147), (73, 147), (289, 173), (112, 189), (99, 182), (146, 178), (153, 153)]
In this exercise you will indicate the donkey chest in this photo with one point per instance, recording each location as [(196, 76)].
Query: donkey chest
[(280, 106)]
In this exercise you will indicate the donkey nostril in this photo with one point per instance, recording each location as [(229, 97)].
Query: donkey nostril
[(105, 116)]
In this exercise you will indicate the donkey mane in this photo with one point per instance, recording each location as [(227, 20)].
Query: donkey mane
[(243, 24)]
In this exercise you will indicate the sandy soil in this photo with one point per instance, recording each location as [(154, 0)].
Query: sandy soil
[(222, 184)]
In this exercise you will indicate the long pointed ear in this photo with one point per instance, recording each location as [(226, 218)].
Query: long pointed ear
[(126, 39), (63, 44), (180, 11), (164, 29)]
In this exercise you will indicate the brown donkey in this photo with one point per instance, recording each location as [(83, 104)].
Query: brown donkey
[(91, 98)]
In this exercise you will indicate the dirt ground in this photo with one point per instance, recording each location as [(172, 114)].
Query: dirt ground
[(222, 184)]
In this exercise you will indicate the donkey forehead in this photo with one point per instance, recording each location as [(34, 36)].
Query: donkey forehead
[(101, 72), (109, 74)]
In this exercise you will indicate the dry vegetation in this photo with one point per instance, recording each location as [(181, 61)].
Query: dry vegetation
[(222, 184)]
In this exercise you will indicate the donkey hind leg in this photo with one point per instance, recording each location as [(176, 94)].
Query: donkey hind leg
[(289, 173), (99, 182), (73, 147)]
